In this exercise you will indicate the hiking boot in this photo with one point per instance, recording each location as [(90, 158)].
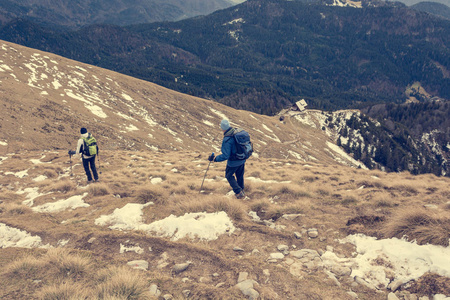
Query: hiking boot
[(241, 195)]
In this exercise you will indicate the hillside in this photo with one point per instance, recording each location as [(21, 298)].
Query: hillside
[(46, 101), (438, 9), (76, 14), (263, 55), (312, 226)]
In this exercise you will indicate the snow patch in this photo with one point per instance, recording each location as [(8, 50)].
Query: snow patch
[(408, 260), (258, 180), (205, 226), (13, 237), (70, 203)]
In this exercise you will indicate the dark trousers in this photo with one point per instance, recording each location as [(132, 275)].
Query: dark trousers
[(90, 162), (237, 183)]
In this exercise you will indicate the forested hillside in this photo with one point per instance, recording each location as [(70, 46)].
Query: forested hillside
[(263, 55), (409, 137), (438, 9), (76, 14)]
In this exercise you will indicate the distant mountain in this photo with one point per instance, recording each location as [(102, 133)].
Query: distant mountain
[(263, 55), (75, 14), (438, 9), (46, 99)]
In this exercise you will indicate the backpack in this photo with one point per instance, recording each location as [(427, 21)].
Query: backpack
[(244, 147), (90, 146)]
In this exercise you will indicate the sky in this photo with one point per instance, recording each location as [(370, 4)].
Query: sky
[(412, 2)]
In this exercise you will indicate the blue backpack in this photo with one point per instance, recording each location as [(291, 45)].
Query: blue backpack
[(244, 147)]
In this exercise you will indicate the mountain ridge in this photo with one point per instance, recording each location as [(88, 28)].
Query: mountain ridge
[(67, 14), (270, 53)]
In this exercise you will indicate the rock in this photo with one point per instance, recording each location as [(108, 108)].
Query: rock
[(247, 289), (204, 279), (266, 272), (167, 297), (255, 252), (296, 269), (333, 278), (430, 206), (440, 297), (305, 253), (353, 294), (242, 276), (138, 264), (289, 261), (340, 270), (297, 235), (361, 281), (313, 233), (276, 255), (283, 249), (220, 284), (154, 290), (291, 217), (392, 296), (394, 285), (186, 293), (91, 240), (178, 268), (237, 249)]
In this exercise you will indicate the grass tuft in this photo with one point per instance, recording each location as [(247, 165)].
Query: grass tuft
[(66, 291), (419, 225), (123, 283), (99, 189)]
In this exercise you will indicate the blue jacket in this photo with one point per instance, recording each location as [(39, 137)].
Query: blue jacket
[(229, 149)]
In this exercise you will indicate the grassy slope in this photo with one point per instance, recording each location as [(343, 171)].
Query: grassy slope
[(327, 196)]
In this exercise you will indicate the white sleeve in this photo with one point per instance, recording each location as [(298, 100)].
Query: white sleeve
[(79, 145)]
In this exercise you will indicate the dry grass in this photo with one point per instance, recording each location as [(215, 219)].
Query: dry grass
[(153, 194), (26, 267), (64, 290), (72, 275), (123, 283), (326, 197), (17, 209), (99, 189), (419, 225), (63, 186)]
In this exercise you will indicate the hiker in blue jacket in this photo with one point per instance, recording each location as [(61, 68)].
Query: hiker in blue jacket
[(234, 171)]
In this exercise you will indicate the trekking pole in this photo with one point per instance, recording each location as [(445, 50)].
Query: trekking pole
[(70, 158), (205, 176), (99, 167)]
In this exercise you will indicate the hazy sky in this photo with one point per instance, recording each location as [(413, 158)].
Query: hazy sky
[(412, 2)]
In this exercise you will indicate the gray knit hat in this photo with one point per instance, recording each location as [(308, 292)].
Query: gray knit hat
[(224, 124)]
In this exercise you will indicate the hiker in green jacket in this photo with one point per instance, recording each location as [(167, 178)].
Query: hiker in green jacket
[(85, 143)]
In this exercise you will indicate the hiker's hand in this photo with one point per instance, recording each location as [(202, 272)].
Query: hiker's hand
[(211, 157), (71, 152)]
